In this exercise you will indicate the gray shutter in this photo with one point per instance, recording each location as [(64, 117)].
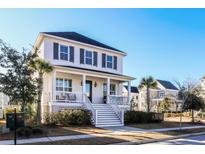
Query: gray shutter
[(55, 51), (95, 55), (81, 56), (103, 59), (115, 62), (71, 54)]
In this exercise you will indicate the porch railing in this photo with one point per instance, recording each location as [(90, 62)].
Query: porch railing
[(115, 102), (119, 100), (68, 97)]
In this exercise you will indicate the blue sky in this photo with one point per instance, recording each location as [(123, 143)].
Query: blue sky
[(165, 43)]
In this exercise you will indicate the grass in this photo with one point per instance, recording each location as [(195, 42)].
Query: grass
[(59, 131), (119, 138), (47, 131), (88, 141), (165, 124)]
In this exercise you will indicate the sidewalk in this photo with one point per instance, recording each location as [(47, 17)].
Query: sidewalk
[(115, 130), (126, 129), (46, 139)]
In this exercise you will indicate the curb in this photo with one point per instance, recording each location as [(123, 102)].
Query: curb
[(136, 142)]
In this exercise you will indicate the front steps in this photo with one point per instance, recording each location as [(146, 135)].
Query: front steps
[(106, 116)]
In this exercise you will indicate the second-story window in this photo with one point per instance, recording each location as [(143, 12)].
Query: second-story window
[(89, 57), (63, 52), (161, 94), (109, 61)]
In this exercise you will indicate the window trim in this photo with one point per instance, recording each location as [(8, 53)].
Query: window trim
[(115, 89), (161, 94), (110, 89), (112, 62), (92, 58), (69, 87)]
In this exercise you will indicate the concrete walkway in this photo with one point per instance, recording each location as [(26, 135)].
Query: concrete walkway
[(125, 129), (47, 139), (114, 130)]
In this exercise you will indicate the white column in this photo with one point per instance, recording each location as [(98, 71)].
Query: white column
[(84, 86), (53, 85), (108, 90), (129, 92)]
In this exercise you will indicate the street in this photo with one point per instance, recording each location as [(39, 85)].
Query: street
[(194, 140)]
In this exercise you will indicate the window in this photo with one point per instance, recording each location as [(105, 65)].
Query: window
[(63, 85), (59, 84), (67, 85), (89, 57), (63, 52), (112, 89), (161, 94), (104, 89), (109, 62)]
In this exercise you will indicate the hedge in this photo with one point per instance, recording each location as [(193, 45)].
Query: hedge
[(69, 117), (132, 117)]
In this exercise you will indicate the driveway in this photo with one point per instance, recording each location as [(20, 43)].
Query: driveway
[(194, 140)]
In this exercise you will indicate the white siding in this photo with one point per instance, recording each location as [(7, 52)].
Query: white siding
[(48, 55)]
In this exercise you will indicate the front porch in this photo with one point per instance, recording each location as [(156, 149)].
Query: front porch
[(81, 89)]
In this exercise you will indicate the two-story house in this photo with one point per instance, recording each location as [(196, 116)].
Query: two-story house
[(87, 74), (164, 89)]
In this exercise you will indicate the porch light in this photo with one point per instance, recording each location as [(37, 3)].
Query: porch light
[(95, 84), (81, 83)]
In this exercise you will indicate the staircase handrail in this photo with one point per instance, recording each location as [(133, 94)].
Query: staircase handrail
[(118, 111), (88, 106)]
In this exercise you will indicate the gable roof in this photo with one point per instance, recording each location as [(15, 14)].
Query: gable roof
[(81, 38), (133, 89), (167, 84)]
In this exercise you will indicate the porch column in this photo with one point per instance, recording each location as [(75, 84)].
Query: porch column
[(108, 90), (53, 85), (129, 92), (84, 86)]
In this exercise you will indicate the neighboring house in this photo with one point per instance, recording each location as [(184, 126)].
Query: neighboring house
[(201, 85), (134, 97), (3, 103), (87, 74), (164, 89)]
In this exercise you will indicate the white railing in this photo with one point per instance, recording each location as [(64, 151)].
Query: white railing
[(88, 106), (115, 102), (118, 99), (68, 97)]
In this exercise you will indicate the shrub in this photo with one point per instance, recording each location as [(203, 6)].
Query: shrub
[(167, 115), (201, 115), (24, 132), (69, 117), (142, 117), (51, 119), (37, 130)]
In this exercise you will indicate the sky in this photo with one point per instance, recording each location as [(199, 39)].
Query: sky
[(168, 44)]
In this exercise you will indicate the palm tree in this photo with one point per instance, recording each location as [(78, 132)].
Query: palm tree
[(148, 82), (41, 67)]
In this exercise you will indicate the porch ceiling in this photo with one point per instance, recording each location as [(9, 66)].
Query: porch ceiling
[(93, 73)]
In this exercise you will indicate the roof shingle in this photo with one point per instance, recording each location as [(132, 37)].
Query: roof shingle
[(133, 89), (81, 38), (167, 84)]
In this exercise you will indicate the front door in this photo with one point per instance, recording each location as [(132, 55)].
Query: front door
[(89, 89)]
